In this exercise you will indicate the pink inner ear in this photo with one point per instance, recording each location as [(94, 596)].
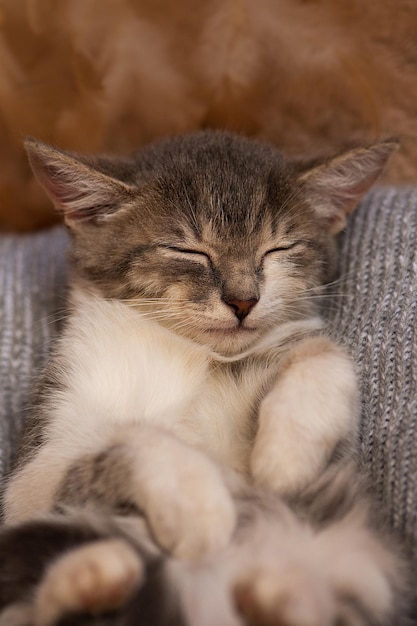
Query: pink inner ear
[(78, 190), (59, 192), (64, 196), (347, 197), (71, 198), (52, 179), (345, 179)]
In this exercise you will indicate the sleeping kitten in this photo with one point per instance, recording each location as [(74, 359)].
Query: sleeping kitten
[(192, 379)]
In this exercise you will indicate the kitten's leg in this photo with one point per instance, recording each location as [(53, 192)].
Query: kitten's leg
[(312, 407), (95, 578), (345, 576), (326, 566), (181, 492), (330, 567), (77, 562), (30, 490), (84, 568)]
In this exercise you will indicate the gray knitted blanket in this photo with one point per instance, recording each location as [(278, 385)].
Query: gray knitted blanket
[(374, 314)]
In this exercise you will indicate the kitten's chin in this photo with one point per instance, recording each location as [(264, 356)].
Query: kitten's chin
[(228, 342), (223, 341)]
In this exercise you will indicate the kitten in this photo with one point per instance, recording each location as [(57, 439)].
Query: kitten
[(194, 387)]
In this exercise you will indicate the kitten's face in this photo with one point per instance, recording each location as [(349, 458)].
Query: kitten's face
[(225, 284), (213, 236), (219, 245)]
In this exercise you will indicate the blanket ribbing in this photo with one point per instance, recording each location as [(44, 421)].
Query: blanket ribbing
[(32, 289), (376, 317)]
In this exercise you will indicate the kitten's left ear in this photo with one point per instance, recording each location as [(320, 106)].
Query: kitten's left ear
[(337, 185), (82, 193)]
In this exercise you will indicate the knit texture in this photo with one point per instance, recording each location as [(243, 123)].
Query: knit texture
[(373, 312), (375, 316), (32, 300)]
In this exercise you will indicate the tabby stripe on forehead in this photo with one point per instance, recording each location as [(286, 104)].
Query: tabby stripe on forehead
[(120, 268), (136, 251)]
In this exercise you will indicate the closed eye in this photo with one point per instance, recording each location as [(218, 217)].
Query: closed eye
[(283, 248), (189, 252)]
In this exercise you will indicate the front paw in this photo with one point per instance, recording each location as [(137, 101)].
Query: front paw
[(283, 469), (285, 455), (311, 408), (192, 514)]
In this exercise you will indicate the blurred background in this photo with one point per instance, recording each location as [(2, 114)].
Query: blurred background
[(310, 76)]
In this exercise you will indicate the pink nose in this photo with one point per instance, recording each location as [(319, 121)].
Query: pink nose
[(241, 308)]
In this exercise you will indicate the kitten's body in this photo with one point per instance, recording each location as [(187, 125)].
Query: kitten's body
[(192, 367), (135, 371)]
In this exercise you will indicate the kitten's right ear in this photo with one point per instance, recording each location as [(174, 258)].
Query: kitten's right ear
[(336, 185), (80, 192)]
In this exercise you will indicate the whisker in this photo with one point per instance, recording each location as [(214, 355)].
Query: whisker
[(325, 296), (53, 319), (149, 300), (290, 198), (341, 280), (191, 207)]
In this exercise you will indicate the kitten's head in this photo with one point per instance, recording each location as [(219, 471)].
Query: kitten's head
[(217, 237)]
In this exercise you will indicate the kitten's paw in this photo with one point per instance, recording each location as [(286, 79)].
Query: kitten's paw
[(196, 520), (284, 469), (100, 576), (282, 458), (288, 598), (309, 410)]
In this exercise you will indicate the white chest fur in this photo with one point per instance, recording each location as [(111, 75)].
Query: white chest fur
[(121, 368)]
